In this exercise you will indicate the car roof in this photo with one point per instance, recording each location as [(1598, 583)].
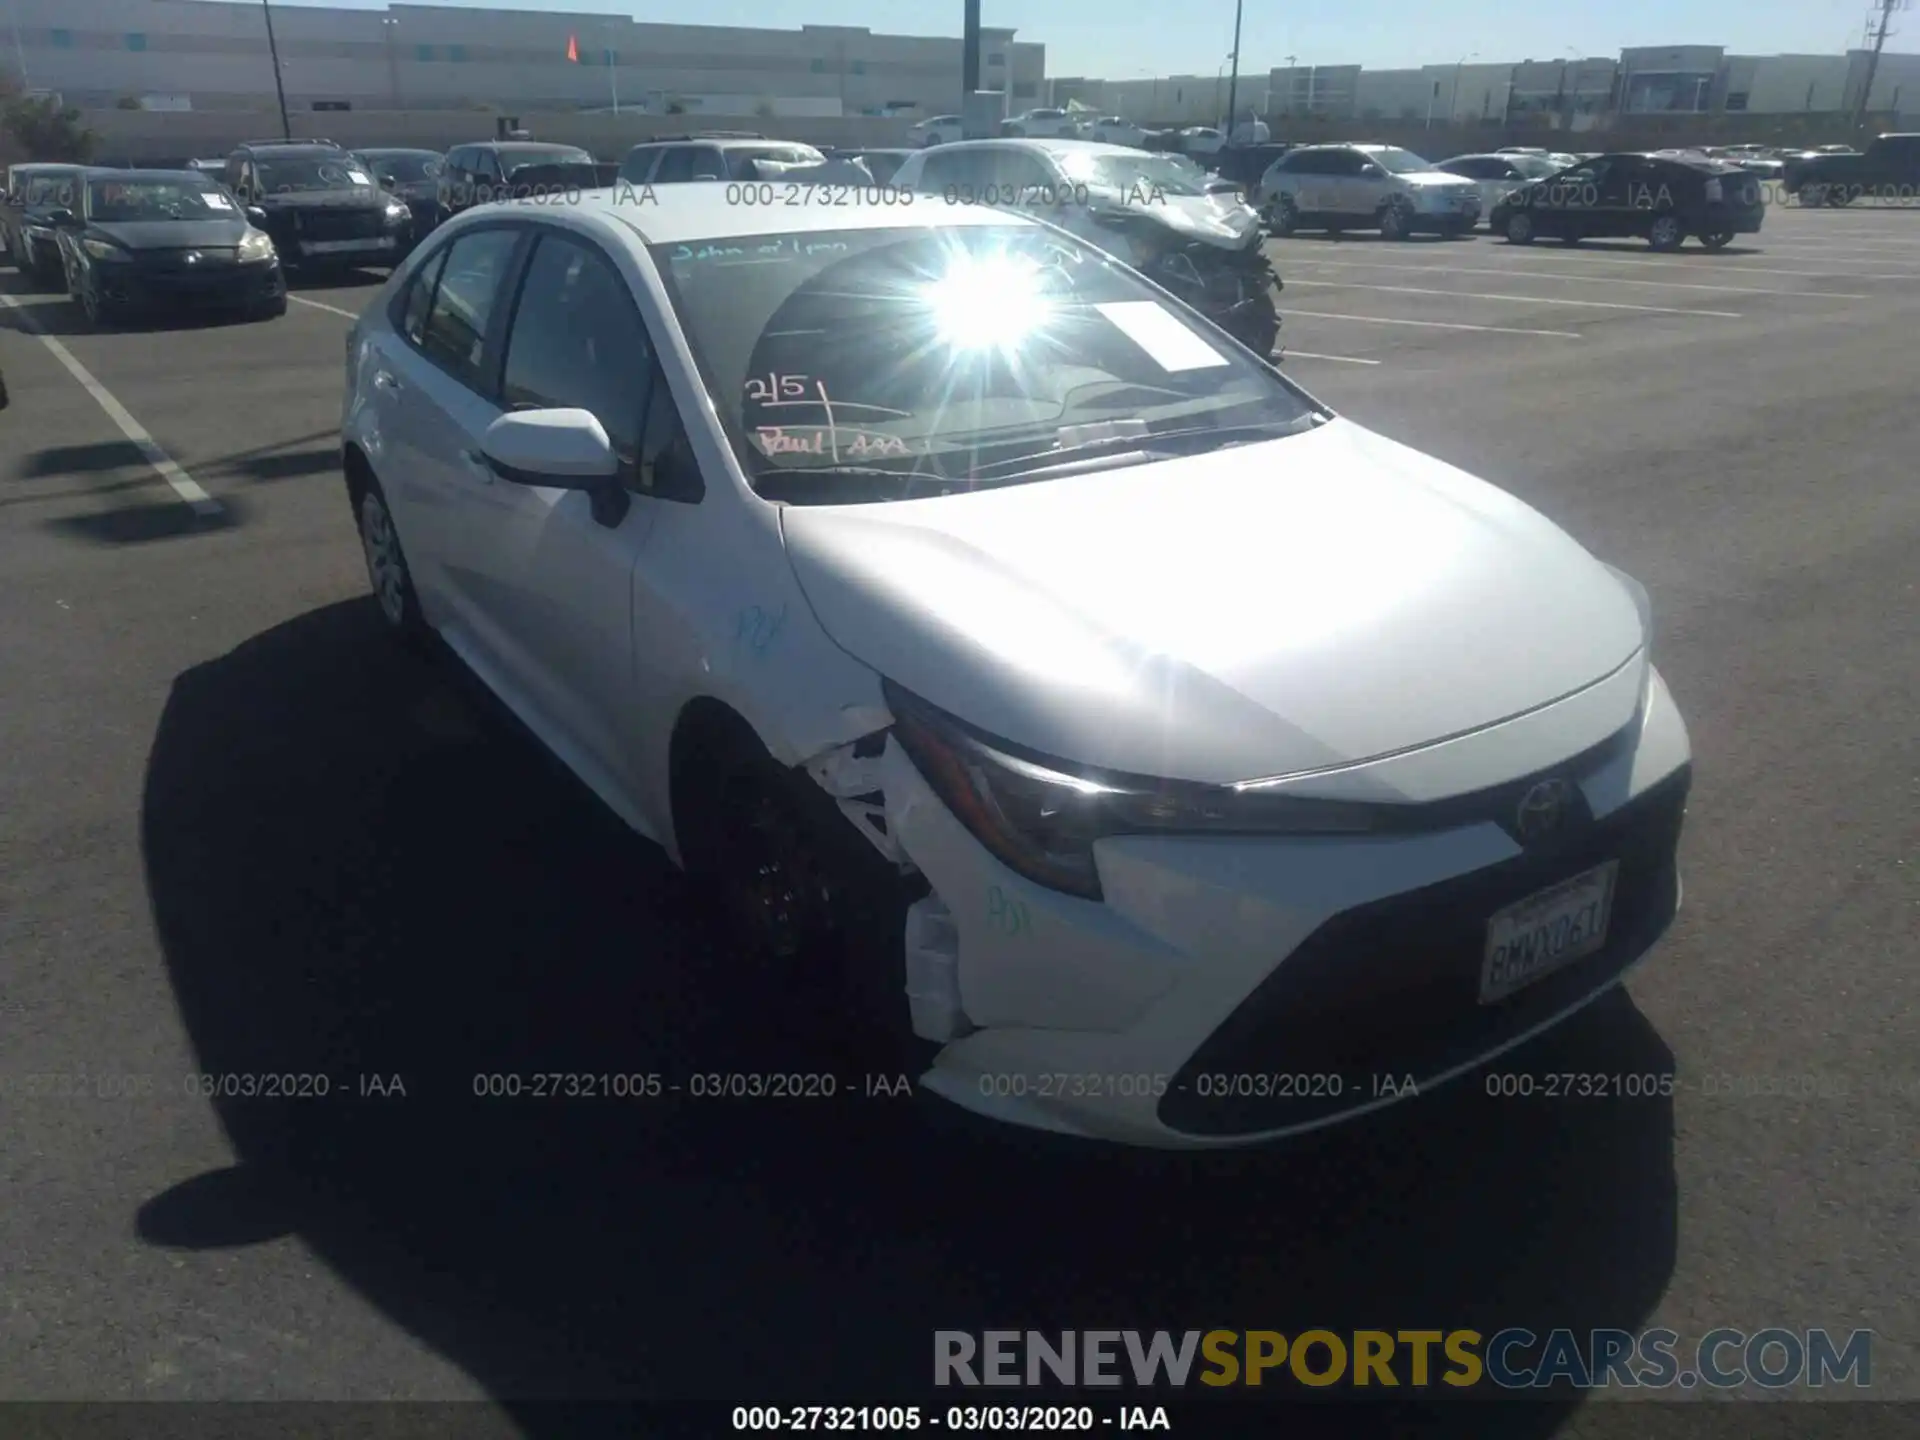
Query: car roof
[(511, 145), (294, 147), (101, 172), (38, 167), (709, 210), (396, 150), (1061, 146)]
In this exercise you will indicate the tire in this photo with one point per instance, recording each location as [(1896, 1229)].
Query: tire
[(1666, 232), (1838, 196), (1258, 328), (810, 911), (1718, 240), (388, 574), (1283, 216), (1396, 221), (1519, 228)]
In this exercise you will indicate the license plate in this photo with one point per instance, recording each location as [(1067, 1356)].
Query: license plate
[(336, 247), (1546, 932)]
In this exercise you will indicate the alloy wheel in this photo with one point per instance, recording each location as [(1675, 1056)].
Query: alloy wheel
[(778, 892), (1520, 228), (386, 566)]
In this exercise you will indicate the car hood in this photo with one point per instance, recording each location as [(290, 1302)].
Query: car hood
[(1221, 218), (1292, 606), (172, 234), (1436, 180), (364, 197)]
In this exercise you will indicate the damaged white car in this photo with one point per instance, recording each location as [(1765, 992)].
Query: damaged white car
[(1163, 757)]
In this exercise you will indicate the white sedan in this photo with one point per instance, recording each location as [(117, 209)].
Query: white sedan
[(1158, 755)]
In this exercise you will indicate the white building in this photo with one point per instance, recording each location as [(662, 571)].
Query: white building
[(100, 53)]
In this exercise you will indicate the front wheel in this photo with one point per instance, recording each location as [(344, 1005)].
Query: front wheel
[(1396, 221), (1666, 233), (1283, 216), (1519, 228), (1717, 240)]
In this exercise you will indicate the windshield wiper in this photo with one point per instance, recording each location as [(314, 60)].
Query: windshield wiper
[(1152, 445)]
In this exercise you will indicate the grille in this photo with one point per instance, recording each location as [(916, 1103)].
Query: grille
[(1393, 988), (174, 262), (323, 225)]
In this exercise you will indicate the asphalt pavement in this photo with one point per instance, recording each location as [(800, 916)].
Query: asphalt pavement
[(240, 836)]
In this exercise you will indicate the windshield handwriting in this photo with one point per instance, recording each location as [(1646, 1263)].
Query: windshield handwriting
[(784, 247), (777, 387), (838, 442)]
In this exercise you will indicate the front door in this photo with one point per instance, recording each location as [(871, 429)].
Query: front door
[(553, 582)]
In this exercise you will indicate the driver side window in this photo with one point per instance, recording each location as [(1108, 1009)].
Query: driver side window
[(1344, 162)]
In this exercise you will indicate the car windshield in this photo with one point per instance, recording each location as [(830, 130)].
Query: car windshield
[(49, 190), (855, 365), (1397, 162), (512, 160), (1536, 167), (1161, 173), (123, 200), (406, 169), (304, 173)]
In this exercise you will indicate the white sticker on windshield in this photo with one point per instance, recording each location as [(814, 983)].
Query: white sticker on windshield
[(1156, 330), (359, 177), (215, 200)]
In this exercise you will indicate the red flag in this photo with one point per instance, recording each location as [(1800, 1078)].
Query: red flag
[(573, 48)]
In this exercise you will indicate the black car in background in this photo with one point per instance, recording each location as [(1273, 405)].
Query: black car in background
[(321, 206), (484, 171), (153, 240), (33, 192), (1662, 199), (1245, 164), (1888, 168), (414, 178)]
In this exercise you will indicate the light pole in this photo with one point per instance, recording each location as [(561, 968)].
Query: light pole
[(19, 51), (1453, 104), (1233, 85), (1220, 71), (387, 26), (1292, 61), (279, 88)]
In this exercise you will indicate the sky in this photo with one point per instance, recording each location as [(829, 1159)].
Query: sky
[(1108, 40)]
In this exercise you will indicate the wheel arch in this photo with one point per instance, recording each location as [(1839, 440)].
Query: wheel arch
[(707, 733)]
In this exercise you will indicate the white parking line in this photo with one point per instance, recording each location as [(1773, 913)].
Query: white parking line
[(1582, 279), (1521, 299), (1596, 257), (184, 485), (318, 305), (1340, 359), (1430, 324)]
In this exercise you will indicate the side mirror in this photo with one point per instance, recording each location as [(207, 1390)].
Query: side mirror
[(1372, 171), (61, 219), (559, 449), (256, 216)]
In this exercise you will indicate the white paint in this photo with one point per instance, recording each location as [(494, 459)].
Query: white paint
[(318, 305), (1168, 343), (1520, 299), (1583, 279), (1427, 324), (183, 484), (1340, 359)]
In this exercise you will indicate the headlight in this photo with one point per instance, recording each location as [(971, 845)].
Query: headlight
[(1041, 818), (103, 250), (396, 212), (256, 245)]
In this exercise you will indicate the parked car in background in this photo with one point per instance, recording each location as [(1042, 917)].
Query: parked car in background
[(1662, 199), (36, 192), (917, 622), (321, 206), (141, 242), (1888, 168), (710, 155), (1500, 172), (1116, 130), (211, 167), (936, 130), (1044, 124), (1199, 140), (881, 164), (413, 177), (481, 172), (1156, 212), (1365, 187), (1245, 164)]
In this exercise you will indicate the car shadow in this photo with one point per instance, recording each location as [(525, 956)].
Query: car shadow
[(1374, 237), (144, 523), (351, 279), (49, 314), (1631, 245), (357, 872)]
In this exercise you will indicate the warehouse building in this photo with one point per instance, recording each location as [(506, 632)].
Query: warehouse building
[(210, 54)]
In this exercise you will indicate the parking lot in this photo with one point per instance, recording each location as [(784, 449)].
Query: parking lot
[(238, 834)]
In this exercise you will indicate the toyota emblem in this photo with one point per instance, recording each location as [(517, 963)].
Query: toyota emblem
[(1543, 810)]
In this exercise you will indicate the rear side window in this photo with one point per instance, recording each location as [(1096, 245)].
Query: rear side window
[(676, 166), (455, 334), (413, 318), (638, 164)]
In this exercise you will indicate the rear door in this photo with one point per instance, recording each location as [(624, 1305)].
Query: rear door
[(1350, 194), (440, 394)]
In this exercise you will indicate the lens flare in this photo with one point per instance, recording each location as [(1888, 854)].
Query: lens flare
[(992, 301)]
